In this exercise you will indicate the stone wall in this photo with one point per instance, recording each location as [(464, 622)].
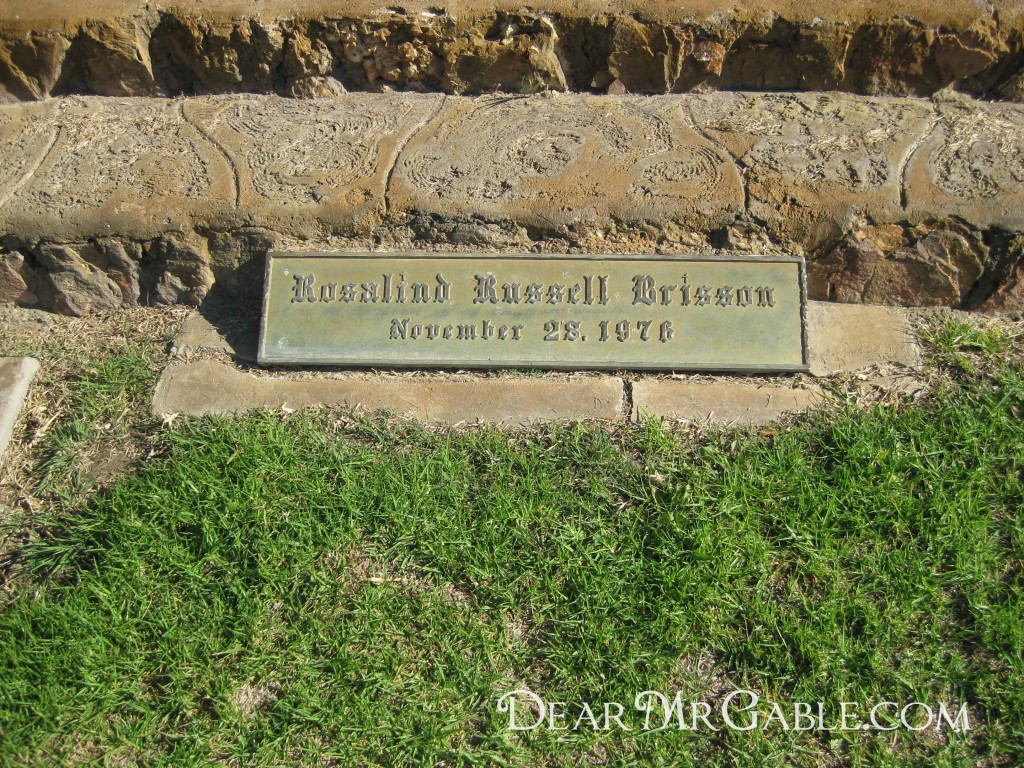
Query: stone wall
[(110, 202), (909, 48)]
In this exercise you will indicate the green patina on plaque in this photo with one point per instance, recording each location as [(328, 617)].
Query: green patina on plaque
[(491, 311)]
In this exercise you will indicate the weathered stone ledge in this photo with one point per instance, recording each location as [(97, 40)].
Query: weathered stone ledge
[(311, 49), (114, 202)]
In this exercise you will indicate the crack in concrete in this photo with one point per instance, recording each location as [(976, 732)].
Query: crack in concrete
[(235, 173), (627, 399), (401, 148), (925, 135), (31, 171)]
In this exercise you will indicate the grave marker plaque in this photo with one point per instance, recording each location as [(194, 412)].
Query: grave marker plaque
[(546, 311)]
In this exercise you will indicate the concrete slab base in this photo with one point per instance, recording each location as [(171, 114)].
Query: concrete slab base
[(16, 374), (211, 387), (720, 403), (842, 339), (215, 329)]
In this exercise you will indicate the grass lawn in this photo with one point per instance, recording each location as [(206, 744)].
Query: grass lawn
[(316, 589)]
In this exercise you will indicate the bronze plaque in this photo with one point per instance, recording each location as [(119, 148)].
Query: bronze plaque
[(527, 310)]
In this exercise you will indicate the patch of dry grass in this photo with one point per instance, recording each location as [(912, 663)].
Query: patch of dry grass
[(86, 420)]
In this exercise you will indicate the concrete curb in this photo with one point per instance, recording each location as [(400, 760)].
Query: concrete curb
[(16, 374)]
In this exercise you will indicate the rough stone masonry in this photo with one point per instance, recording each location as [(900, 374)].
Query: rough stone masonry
[(111, 202), (318, 48)]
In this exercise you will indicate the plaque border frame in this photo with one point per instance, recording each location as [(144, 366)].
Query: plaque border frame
[(804, 367)]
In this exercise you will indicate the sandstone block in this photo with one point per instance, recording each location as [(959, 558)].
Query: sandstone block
[(971, 166), (189, 47), (301, 166), (815, 163), (145, 168), (196, 55), (17, 281), (564, 161), (30, 64), (72, 285), (163, 197), (903, 267), (1009, 297), (522, 61), (109, 59), (111, 167)]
